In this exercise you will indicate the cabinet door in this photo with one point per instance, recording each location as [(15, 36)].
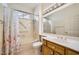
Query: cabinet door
[(71, 52), (44, 42), (56, 53), (46, 50), (60, 49), (56, 47)]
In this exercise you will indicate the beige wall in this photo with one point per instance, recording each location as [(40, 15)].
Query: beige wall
[(36, 23), (46, 5), (27, 7)]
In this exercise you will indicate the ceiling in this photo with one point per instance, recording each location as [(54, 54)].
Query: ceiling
[(45, 5), (28, 7)]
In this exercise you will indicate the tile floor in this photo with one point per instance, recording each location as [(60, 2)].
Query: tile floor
[(26, 49)]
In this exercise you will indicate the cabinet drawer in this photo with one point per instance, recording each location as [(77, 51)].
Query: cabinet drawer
[(59, 49), (51, 45), (71, 52), (44, 42)]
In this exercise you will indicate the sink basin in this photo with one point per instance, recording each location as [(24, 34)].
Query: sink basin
[(51, 37), (67, 40), (72, 41)]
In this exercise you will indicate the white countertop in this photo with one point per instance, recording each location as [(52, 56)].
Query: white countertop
[(70, 42)]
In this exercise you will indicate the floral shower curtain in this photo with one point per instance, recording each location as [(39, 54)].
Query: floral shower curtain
[(10, 44)]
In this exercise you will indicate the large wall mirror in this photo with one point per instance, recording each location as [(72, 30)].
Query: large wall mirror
[(63, 22)]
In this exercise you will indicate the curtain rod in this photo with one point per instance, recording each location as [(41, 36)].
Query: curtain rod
[(26, 12), (22, 11)]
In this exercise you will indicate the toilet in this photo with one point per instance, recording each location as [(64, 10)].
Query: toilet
[(37, 46)]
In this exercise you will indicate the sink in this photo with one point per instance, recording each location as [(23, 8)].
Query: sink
[(67, 40), (51, 37), (72, 41)]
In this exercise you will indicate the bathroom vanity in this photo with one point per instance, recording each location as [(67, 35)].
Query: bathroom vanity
[(61, 31), (55, 46)]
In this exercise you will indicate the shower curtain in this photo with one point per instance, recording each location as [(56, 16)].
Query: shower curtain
[(10, 44)]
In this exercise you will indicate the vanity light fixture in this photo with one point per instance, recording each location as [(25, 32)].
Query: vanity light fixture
[(53, 7)]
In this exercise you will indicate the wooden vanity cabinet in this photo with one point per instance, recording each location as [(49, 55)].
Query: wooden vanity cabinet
[(56, 53), (44, 42), (51, 45), (51, 48), (46, 50), (60, 49), (57, 49), (71, 52)]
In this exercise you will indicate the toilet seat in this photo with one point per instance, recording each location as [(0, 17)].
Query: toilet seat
[(37, 44)]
